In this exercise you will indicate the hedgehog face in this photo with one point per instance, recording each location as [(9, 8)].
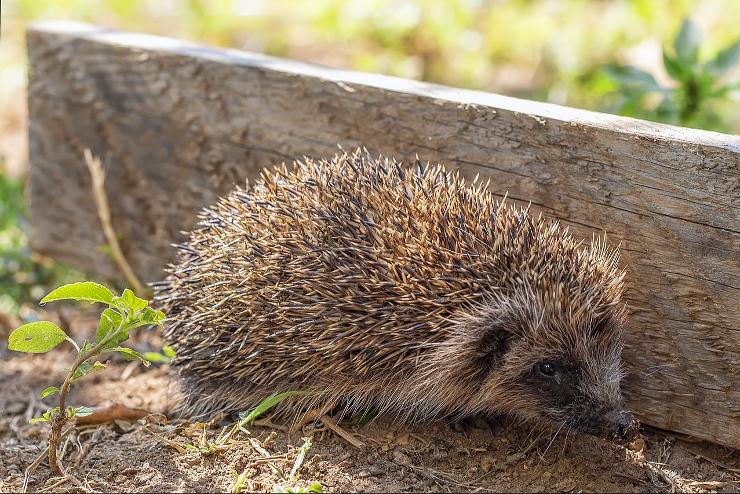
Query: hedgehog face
[(580, 388), (568, 375)]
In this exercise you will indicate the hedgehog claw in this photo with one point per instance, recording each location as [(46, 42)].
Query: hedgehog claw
[(468, 424)]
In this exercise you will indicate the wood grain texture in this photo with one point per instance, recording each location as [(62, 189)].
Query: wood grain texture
[(178, 124)]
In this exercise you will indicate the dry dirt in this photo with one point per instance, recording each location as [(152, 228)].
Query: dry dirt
[(151, 455)]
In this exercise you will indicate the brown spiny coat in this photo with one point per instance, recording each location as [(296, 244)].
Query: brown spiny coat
[(375, 285)]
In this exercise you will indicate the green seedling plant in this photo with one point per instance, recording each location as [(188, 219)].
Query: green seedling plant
[(240, 481), (293, 476), (698, 84), (315, 487), (302, 452), (123, 314), (206, 446)]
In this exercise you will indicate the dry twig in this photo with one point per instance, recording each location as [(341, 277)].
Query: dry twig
[(329, 422), (657, 471), (97, 176)]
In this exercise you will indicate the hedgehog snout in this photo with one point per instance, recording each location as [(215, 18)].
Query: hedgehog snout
[(623, 426)]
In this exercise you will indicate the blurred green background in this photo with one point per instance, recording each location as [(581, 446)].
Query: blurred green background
[(605, 55)]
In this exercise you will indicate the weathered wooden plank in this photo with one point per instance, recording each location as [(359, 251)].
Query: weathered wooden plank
[(179, 124)]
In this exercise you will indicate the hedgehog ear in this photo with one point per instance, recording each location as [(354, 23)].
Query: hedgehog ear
[(495, 332), (479, 343), (607, 324), (492, 346)]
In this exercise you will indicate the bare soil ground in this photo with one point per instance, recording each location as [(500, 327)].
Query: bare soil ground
[(160, 454)]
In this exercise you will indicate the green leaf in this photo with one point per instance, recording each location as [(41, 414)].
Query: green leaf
[(132, 301), (137, 323), (209, 448), (157, 357), (315, 488), (240, 481), (87, 368), (84, 290), (45, 417), (687, 41), (726, 89), (36, 337), (667, 110), (86, 346), (725, 60), (169, 351), (674, 68), (110, 320), (704, 82), (80, 411), (632, 78), (51, 390), (152, 316), (130, 354)]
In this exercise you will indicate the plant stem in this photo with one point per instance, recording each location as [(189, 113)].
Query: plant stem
[(60, 418)]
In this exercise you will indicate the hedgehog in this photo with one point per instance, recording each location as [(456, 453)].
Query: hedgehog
[(398, 288)]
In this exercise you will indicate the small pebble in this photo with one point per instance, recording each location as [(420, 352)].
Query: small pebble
[(440, 454), (143, 478), (403, 440), (511, 459), (401, 458)]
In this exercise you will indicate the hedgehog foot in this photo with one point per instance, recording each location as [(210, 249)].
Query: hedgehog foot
[(313, 415), (469, 424), (347, 436)]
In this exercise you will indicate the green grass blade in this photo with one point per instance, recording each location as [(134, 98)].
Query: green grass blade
[(268, 403)]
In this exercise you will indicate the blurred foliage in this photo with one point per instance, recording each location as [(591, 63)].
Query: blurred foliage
[(550, 50), (699, 86), (24, 276)]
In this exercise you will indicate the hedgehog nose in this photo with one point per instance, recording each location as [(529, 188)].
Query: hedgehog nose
[(625, 427)]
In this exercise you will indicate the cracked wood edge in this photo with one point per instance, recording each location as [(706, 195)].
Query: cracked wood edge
[(178, 124)]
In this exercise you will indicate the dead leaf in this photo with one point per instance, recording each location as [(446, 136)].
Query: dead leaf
[(114, 412)]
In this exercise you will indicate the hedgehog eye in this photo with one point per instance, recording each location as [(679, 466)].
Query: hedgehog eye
[(547, 369)]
